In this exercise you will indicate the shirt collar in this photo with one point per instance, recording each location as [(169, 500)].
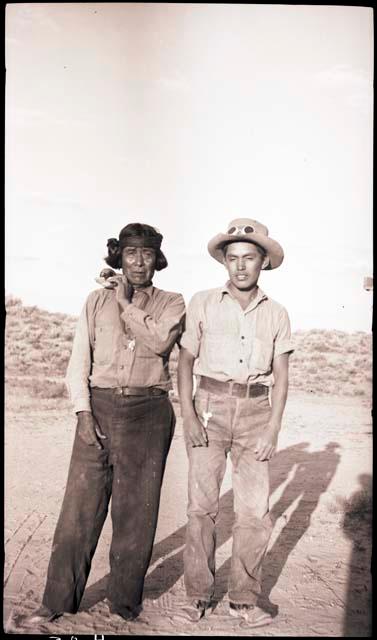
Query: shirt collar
[(225, 289), (147, 290)]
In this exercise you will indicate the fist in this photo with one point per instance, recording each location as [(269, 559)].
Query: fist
[(108, 278), (124, 292)]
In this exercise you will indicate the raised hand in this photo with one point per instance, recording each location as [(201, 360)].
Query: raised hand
[(124, 291), (108, 278)]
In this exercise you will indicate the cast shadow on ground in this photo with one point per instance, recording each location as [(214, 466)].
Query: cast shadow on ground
[(357, 526), (312, 473)]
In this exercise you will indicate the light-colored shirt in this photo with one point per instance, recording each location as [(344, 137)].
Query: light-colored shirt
[(231, 343), (132, 348)]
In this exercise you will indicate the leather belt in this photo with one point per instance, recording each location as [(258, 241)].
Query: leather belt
[(233, 388), (136, 391), (139, 391)]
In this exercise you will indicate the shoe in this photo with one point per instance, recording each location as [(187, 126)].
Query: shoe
[(41, 615), (254, 616), (126, 612), (196, 609)]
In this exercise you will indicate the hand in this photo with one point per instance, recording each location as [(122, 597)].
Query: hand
[(266, 445), (124, 292), (89, 430), (108, 278), (194, 432)]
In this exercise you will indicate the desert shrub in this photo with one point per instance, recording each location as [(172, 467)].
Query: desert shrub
[(322, 348), (48, 388), (319, 359), (311, 370), (38, 344), (361, 362), (68, 334)]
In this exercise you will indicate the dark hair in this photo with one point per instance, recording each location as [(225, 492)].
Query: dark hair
[(261, 251), (136, 229)]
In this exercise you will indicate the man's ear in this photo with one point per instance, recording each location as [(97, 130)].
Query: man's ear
[(266, 262)]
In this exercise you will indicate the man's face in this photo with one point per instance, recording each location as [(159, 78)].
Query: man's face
[(244, 261), (138, 265)]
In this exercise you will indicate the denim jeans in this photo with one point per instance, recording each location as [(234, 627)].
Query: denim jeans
[(234, 427), (129, 469)]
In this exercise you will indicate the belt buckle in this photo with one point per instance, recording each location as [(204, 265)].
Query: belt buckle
[(156, 391)]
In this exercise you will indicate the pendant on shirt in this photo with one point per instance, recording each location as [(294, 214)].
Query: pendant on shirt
[(131, 344)]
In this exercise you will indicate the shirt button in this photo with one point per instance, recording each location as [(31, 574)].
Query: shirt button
[(121, 366), (242, 337), (241, 360)]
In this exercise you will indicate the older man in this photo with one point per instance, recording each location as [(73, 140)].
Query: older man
[(237, 342), (118, 378)]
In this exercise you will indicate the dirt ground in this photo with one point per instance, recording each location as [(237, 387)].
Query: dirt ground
[(317, 573)]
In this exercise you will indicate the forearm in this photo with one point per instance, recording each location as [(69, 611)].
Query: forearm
[(157, 335), (76, 381), (278, 400), (79, 367), (185, 382)]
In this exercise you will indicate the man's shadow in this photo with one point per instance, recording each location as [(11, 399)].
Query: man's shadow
[(312, 473), (357, 526)]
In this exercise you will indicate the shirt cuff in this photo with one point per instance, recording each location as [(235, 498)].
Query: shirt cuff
[(190, 344), (284, 346), (82, 404)]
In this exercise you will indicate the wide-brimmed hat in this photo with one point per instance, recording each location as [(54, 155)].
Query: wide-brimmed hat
[(247, 230)]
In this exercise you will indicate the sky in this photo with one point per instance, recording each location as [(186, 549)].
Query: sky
[(186, 116)]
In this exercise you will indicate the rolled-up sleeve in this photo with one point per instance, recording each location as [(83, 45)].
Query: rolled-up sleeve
[(160, 334), (193, 331), (79, 366), (283, 341)]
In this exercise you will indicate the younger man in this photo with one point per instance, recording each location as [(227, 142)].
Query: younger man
[(237, 340)]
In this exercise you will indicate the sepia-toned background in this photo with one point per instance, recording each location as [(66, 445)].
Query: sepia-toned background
[(185, 116)]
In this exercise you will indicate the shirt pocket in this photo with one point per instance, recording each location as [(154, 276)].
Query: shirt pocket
[(261, 355), (103, 344)]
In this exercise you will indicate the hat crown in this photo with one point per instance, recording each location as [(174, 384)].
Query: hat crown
[(242, 226), (247, 230)]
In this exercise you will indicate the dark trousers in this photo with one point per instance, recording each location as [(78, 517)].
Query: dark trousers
[(129, 469)]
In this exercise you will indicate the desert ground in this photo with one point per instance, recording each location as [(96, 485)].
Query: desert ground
[(317, 573)]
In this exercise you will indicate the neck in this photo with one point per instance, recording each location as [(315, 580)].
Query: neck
[(142, 286), (244, 296)]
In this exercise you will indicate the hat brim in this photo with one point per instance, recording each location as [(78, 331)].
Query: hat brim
[(272, 248)]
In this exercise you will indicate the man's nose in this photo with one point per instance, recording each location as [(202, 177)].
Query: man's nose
[(240, 265), (139, 258)]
